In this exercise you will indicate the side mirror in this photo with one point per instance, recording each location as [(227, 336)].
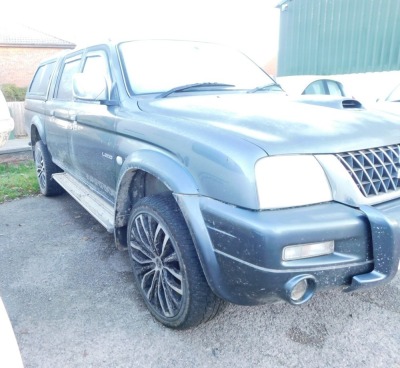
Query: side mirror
[(90, 87)]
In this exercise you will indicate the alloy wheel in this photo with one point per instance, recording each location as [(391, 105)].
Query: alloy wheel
[(156, 264), (40, 168)]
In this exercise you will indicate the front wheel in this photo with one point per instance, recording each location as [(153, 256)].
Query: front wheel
[(45, 168), (166, 267)]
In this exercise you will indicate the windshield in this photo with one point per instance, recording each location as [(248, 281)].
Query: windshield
[(394, 95), (158, 66)]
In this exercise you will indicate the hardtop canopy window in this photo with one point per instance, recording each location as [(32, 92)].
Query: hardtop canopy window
[(41, 80)]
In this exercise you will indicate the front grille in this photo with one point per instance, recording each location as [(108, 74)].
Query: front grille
[(375, 170)]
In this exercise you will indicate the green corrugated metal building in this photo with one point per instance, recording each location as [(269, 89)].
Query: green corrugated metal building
[(326, 37)]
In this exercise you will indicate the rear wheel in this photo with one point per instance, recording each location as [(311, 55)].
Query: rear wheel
[(166, 267), (45, 168)]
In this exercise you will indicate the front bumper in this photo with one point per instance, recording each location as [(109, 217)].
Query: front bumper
[(385, 239), (241, 250)]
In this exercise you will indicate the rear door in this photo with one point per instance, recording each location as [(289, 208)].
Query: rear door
[(61, 120)]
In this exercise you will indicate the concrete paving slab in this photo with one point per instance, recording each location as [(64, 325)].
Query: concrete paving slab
[(16, 150)]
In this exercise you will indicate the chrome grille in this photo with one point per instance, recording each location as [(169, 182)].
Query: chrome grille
[(375, 170)]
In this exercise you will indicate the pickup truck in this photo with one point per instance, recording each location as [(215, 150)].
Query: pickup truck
[(221, 187)]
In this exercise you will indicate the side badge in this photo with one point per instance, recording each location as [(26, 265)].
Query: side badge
[(107, 155)]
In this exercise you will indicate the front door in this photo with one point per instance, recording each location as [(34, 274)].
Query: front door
[(92, 139)]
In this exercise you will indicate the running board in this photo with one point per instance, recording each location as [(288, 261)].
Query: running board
[(101, 210)]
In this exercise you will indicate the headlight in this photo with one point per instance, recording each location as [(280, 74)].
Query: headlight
[(290, 181)]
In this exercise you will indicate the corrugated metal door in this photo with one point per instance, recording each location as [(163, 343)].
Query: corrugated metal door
[(339, 36)]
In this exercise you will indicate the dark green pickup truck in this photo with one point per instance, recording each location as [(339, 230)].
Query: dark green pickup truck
[(221, 187)]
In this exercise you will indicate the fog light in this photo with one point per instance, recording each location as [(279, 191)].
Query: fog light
[(300, 251)]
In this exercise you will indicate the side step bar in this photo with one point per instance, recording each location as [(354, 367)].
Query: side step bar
[(101, 210)]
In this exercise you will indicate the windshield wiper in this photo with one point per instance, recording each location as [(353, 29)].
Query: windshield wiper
[(267, 87), (194, 85)]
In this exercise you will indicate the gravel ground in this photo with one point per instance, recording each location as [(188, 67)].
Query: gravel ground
[(72, 303)]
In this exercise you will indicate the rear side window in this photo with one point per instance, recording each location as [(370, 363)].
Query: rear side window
[(41, 80), (71, 67)]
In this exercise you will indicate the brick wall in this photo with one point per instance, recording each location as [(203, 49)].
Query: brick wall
[(18, 64)]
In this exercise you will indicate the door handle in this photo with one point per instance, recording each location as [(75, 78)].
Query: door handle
[(64, 114), (61, 114)]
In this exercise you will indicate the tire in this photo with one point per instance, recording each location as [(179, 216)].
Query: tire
[(166, 268), (45, 168)]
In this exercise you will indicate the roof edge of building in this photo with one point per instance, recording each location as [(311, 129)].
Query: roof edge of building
[(38, 46)]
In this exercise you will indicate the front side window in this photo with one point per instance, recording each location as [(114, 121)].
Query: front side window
[(70, 68), (96, 64)]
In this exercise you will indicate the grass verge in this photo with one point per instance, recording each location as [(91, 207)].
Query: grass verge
[(17, 180)]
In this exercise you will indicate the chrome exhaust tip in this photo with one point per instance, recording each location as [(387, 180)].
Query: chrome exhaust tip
[(300, 289)]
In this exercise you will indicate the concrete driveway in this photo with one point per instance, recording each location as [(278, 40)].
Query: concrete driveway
[(72, 303)]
